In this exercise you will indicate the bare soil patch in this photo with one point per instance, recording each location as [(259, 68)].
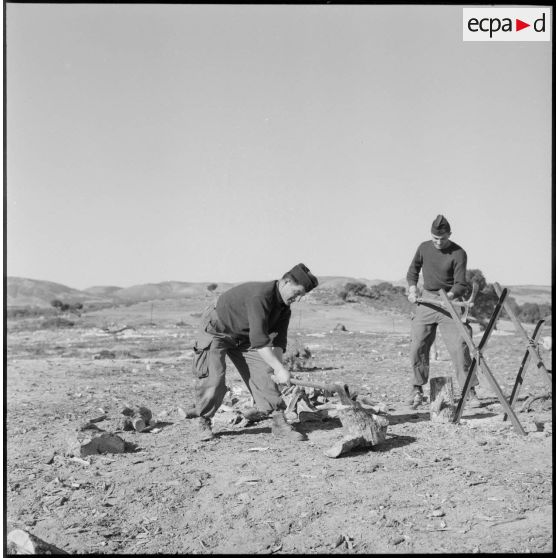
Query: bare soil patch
[(435, 488)]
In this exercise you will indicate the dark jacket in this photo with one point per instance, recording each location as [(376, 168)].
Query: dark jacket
[(441, 269), (257, 312)]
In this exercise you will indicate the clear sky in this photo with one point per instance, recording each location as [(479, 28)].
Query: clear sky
[(150, 143)]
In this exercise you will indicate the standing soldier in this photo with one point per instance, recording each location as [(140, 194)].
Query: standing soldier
[(443, 265), (248, 323)]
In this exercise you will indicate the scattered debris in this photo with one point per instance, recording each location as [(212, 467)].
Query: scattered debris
[(343, 540), (376, 407), (252, 414), (82, 446), (50, 459), (247, 480), (104, 354), (511, 520), (117, 329), (224, 416), (22, 542), (299, 405), (544, 403), (339, 327), (99, 418), (90, 426), (136, 418), (80, 461)]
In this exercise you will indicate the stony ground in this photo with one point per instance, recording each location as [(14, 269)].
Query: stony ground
[(430, 488)]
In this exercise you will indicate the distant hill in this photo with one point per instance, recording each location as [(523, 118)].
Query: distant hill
[(167, 289), (102, 291), (332, 282), (538, 294), (31, 292)]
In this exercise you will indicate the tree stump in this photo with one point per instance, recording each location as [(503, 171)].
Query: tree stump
[(361, 427), (22, 542), (442, 406)]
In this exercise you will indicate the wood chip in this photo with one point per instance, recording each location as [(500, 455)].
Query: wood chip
[(80, 461), (247, 480), (98, 419)]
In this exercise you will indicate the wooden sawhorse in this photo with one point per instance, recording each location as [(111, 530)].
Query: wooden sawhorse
[(532, 350), (478, 361)]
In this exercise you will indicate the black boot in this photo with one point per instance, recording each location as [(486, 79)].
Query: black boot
[(203, 431), (473, 401), (415, 397), (254, 415), (281, 428)]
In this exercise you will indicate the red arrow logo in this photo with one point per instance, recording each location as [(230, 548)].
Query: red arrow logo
[(519, 25)]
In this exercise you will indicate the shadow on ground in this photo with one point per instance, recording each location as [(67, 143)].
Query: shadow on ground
[(395, 442), (410, 417)]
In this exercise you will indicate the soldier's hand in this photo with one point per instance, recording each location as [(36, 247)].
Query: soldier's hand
[(412, 296), (281, 376)]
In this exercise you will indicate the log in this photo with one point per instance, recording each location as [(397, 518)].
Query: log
[(442, 406), (22, 542), (361, 428)]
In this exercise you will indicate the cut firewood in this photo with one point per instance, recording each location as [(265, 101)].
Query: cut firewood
[(139, 424), (135, 418), (442, 406), (361, 427), (22, 542)]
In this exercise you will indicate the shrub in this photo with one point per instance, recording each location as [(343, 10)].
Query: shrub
[(530, 312), (353, 289), (486, 301), (56, 322), (67, 307), (28, 312)]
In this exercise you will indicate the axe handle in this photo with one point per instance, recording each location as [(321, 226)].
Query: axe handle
[(440, 302), (318, 385)]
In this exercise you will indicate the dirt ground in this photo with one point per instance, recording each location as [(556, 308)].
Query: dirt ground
[(429, 488)]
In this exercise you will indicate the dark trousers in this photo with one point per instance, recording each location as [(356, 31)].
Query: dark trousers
[(209, 369), (423, 333)]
